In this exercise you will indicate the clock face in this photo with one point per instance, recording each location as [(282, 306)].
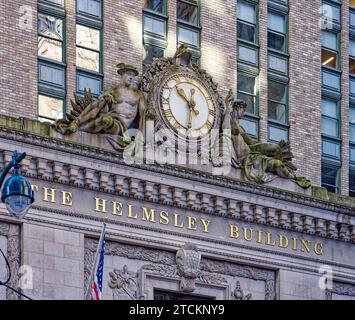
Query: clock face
[(187, 106)]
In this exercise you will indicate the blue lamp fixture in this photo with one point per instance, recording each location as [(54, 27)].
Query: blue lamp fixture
[(17, 192), (18, 196)]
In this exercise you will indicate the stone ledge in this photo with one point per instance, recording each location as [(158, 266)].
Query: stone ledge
[(37, 130)]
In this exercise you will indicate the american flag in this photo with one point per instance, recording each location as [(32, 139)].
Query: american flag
[(97, 283)]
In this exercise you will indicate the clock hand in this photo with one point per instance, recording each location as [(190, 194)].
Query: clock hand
[(192, 103), (189, 125), (182, 94)]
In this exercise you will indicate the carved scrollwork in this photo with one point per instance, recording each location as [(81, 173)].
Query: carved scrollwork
[(11, 232), (123, 282), (238, 293), (343, 289)]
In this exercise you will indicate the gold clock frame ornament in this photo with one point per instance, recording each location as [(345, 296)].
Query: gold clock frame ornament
[(194, 90)]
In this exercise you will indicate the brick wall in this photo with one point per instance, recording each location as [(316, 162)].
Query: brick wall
[(219, 48), (263, 113), (344, 106), (122, 42), (122, 39), (18, 58), (305, 87)]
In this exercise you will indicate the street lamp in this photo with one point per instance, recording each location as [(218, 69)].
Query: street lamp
[(17, 192), (18, 196)]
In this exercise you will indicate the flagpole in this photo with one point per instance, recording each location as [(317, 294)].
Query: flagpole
[(97, 254)]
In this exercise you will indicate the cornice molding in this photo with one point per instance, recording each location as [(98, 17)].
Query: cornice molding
[(174, 171)]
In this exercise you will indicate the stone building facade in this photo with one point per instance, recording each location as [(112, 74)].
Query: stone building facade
[(178, 230)]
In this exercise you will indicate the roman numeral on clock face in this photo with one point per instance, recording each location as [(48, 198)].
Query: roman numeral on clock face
[(168, 114), (164, 100), (209, 125), (212, 112)]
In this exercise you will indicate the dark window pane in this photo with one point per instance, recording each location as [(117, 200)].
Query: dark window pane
[(152, 52), (352, 66), (85, 81), (277, 92), (187, 12), (246, 83), (277, 111), (276, 41), (329, 58), (329, 178), (246, 32), (250, 100), (155, 5), (352, 183)]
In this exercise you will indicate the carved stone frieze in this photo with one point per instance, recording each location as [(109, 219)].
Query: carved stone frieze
[(11, 232), (162, 264), (124, 282), (343, 289)]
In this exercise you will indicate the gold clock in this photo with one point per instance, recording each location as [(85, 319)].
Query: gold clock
[(187, 106)]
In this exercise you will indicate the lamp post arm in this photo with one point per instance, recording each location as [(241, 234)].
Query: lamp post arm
[(16, 159)]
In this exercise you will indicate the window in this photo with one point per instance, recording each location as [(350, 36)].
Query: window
[(248, 50), (277, 111), (330, 118), (247, 91), (246, 21), (330, 49), (248, 63), (277, 104), (89, 46), (277, 39), (154, 30), (352, 183), (51, 63), (331, 129), (188, 26), (90, 8), (278, 72), (330, 178), (50, 37), (352, 56), (330, 13), (352, 124)]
